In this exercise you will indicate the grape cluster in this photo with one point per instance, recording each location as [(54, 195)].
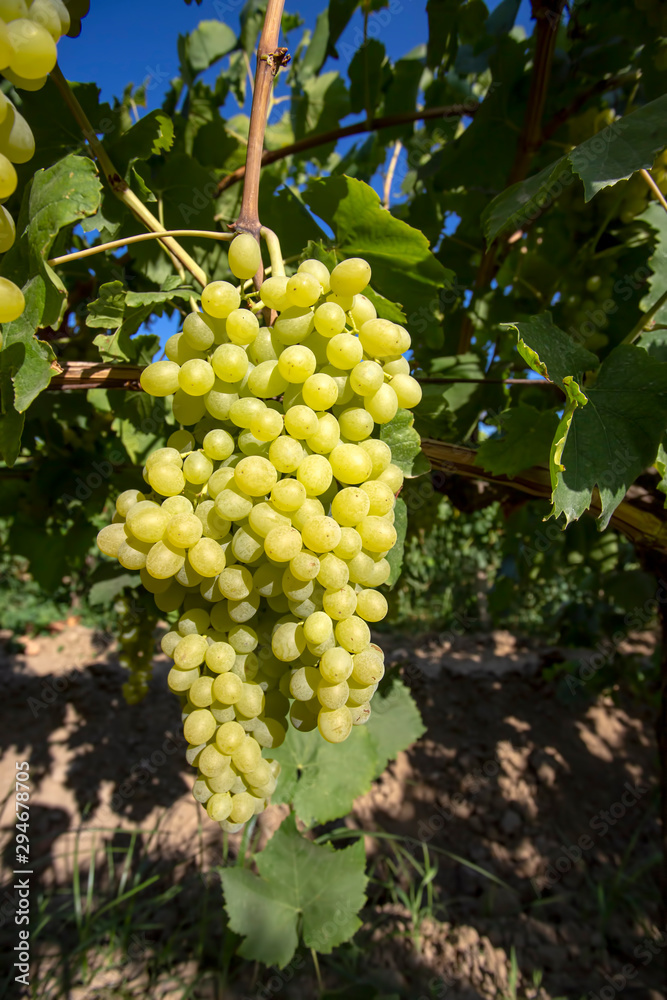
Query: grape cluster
[(29, 31), (270, 516), (137, 623)]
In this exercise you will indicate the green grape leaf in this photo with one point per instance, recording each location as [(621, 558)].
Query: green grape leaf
[(322, 779), (106, 591), (520, 203), (153, 134), (656, 217), (316, 53), (401, 94), (625, 146), (365, 73), (395, 723), (302, 889), (550, 352), (324, 102), (615, 436), (404, 269), (403, 440), (210, 41), (611, 155), (109, 310), (384, 307), (527, 434), (56, 198), (395, 555)]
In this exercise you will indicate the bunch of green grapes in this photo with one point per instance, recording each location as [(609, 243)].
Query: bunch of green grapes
[(583, 299), (268, 517), (29, 32), (136, 646)]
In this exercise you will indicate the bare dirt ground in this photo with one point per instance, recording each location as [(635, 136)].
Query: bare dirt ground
[(552, 795)]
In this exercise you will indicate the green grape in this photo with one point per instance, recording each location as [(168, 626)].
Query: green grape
[(329, 319), (7, 230), (301, 421), (334, 572), (392, 476), (255, 476), (327, 435), (219, 806), (399, 366), (350, 544), (350, 276), (168, 480), (6, 53), (336, 665), (288, 495), (132, 553), (195, 620), (319, 271), (184, 530), (201, 695), (263, 518), (383, 404), (321, 534), (248, 754), (273, 293), (242, 327), (147, 521), (344, 351), (126, 501), (16, 139), (197, 468), (230, 362), (34, 50), (244, 257), (332, 696), (219, 298), (8, 182), (110, 539), (244, 410), (243, 807), (196, 377), (164, 560), (199, 726), (371, 605), (303, 289), (335, 725), (251, 702), (288, 641), (380, 455), (318, 627), (11, 9), (233, 504), (207, 557), (294, 325), (355, 424), (319, 391), (362, 310), (267, 425), (341, 603), (247, 546), (297, 363), (197, 334), (408, 390), (380, 338), (367, 667), (282, 543), (311, 507), (366, 378), (381, 498), (316, 474), (52, 15), (350, 463), (265, 380), (188, 409), (180, 681), (181, 441)]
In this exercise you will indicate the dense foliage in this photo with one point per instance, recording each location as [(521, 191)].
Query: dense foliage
[(525, 239)]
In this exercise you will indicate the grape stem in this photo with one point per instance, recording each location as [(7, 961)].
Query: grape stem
[(654, 188), (645, 319), (269, 60), (275, 253), (140, 238), (119, 186)]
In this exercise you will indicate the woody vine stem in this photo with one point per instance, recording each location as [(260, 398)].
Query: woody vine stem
[(269, 60)]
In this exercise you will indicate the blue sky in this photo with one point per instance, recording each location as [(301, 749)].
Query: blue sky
[(125, 41)]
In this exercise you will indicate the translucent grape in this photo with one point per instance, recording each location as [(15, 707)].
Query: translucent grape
[(196, 377), (318, 270), (383, 339), (319, 391), (408, 390), (273, 293), (219, 298), (293, 325), (8, 182), (34, 50), (12, 302), (350, 463), (242, 327), (303, 289), (334, 725), (244, 256)]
